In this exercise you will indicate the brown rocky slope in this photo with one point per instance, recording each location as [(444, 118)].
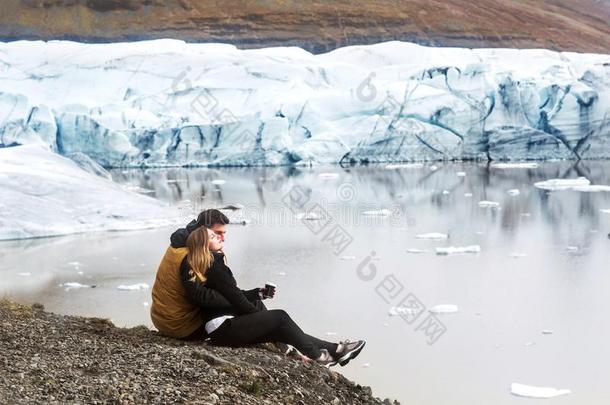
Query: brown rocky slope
[(318, 25), (49, 358)]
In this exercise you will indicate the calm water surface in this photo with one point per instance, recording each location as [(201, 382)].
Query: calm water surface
[(543, 266)]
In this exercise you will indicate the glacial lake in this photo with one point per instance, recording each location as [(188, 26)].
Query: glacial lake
[(342, 245)]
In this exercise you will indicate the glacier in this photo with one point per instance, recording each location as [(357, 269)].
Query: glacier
[(170, 103)]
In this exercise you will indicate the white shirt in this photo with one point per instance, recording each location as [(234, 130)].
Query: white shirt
[(213, 324)]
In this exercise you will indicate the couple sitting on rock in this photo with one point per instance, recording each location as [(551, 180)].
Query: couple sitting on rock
[(195, 296)]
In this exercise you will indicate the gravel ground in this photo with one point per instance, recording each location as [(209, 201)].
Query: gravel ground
[(50, 358)]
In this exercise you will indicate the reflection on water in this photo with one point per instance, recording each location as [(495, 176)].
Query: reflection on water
[(542, 266)]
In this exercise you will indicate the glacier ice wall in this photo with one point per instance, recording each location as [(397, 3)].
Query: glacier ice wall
[(165, 102)]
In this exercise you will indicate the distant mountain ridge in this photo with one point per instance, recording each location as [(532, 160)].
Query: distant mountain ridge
[(317, 26)]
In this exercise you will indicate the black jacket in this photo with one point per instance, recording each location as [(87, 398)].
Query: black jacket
[(219, 279), (178, 238)]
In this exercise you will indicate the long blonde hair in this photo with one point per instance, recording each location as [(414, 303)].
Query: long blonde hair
[(199, 257)]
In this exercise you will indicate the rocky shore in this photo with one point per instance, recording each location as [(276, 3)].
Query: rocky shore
[(50, 358)]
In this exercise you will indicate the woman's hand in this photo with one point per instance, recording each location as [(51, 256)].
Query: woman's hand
[(266, 292)]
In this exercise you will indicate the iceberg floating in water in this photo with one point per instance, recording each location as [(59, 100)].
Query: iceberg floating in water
[(45, 194), (75, 285), (452, 250), (444, 309), (531, 391), (432, 236), (580, 184), (133, 287), (520, 165), (130, 104), (489, 204)]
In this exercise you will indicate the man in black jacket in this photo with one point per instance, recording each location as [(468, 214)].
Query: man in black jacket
[(215, 221)]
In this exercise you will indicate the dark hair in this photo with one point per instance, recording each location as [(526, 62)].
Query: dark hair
[(211, 217)]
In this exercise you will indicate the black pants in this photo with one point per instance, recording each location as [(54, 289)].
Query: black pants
[(268, 327)]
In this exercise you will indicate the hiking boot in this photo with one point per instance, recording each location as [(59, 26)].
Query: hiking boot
[(348, 350), (326, 359)]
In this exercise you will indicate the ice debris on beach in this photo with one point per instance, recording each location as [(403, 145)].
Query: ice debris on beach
[(531, 391), (452, 250), (133, 287)]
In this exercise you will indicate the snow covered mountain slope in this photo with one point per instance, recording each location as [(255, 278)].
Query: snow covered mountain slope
[(165, 102), (44, 194)]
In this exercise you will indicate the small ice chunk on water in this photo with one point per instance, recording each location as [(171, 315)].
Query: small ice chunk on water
[(281, 273), (24, 274), (80, 273), (514, 192), (379, 213), (133, 287), (531, 391), (446, 192), (444, 309), (145, 304), (432, 236), (434, 167), (526, 214), (414, 250), (605, 211), (385, 324), (517, 255), (468, 195), (328, 175), (572, 248), (528, 344), (74, 285), (394, 311), (331, 333), (563, 184), (366, 365), (489, 204), (547, 332), (348, 258), (218, 182), (461, 174), (514, 165), (74, 264), (309, 216), (404, 166), (452, 250)]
